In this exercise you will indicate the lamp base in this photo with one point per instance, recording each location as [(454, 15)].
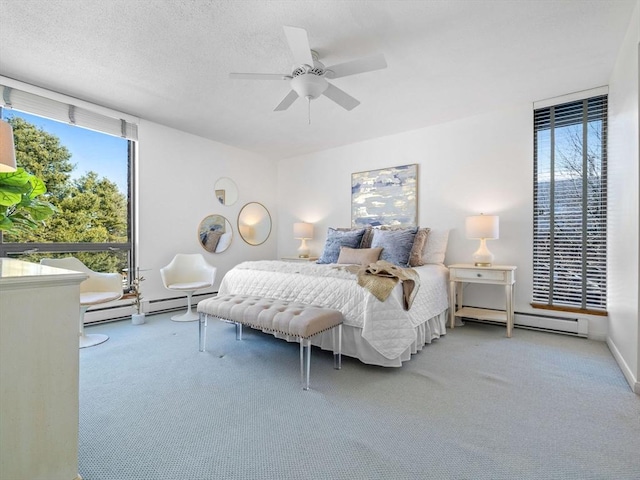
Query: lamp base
[(483, 257), (303, 250)]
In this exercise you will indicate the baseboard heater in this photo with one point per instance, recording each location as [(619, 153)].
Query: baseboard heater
[(122, 309), (578, 327)]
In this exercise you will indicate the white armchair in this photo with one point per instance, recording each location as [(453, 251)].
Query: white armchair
[(98, 288), (188, 273)]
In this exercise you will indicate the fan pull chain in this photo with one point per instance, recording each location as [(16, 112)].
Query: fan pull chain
[(309, 100)]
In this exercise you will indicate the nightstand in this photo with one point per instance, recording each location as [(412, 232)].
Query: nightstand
[(495, 275), (298, 259)]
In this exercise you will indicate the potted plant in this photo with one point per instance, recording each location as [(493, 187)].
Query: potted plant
[(138, 317), (20, 209)]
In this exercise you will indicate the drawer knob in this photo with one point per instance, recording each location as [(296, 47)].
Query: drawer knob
[(479, 275)]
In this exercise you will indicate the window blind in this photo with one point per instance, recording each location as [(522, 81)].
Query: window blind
[(570, 204), (14, 98)]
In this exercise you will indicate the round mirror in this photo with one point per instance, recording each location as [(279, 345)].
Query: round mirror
[(215, 233), (226, 191), (254, 223)]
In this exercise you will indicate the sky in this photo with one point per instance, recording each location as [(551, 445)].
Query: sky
[(90, 151)]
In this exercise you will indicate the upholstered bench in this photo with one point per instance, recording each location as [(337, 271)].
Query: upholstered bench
[(270, 315)]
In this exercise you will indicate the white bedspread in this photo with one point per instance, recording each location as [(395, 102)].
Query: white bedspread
[(385, 325)]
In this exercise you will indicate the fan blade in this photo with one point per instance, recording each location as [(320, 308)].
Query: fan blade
[(299, 44), (286, 101), (361, 65), (260, 76), (341, 97)]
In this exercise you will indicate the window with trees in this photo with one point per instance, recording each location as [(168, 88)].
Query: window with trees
[(88, 176), (570, 206)]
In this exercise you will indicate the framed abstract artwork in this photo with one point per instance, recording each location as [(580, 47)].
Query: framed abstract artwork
[(388, 196)]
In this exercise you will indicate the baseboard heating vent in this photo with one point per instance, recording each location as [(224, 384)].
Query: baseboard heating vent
[(546, 323), (122, 309)]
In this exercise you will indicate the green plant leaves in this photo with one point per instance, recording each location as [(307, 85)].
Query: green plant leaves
[(20, 210)]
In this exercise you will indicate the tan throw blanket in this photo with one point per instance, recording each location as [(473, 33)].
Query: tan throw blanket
[(381, 277)]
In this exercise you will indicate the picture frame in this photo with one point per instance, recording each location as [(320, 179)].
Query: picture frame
[(385, 197)]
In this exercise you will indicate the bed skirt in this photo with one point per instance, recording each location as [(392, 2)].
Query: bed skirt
[(353, 345)]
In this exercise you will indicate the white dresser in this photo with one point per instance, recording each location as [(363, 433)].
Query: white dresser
[(39, 364)]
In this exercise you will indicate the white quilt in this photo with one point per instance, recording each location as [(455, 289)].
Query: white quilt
[(385, 325)]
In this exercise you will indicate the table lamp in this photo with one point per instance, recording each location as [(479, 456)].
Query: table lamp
[(483, 227), (303, 232)]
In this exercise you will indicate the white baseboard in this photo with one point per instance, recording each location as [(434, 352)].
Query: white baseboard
[(123, 309), (626, 371), (573, 326)]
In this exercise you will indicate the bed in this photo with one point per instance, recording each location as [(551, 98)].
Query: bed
[(375, 332)]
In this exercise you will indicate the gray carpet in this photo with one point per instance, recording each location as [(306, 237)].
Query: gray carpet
[(472, 405)]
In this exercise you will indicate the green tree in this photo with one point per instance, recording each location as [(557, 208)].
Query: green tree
[(42, 155), (89, 209)]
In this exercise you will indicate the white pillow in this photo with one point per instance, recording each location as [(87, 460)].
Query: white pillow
[(436, 247)]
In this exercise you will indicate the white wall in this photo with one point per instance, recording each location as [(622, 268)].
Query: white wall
[(624, 211), (478, 164), (177, 173)]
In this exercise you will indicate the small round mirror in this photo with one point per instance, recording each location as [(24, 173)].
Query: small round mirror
[(254, 223), (215, 233), (226, 191)]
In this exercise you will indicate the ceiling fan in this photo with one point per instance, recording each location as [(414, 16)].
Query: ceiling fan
[(308, 77)]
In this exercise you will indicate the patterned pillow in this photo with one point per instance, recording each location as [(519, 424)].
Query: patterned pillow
[(396, 244), (366, 238), (339, 238), (419, 242)]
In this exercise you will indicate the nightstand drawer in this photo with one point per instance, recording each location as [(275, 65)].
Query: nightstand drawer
[(475, 274)]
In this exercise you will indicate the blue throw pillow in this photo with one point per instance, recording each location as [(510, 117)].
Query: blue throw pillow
[(396, 244), (339, 238)]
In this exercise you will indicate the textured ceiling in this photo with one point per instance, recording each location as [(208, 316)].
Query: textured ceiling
[(168, 61)]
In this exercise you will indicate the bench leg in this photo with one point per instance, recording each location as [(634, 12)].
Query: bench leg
[(305, 362), (337, 347), (238, 331), (202, 331)]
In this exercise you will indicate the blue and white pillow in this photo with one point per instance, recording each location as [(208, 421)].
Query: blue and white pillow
[(339, 238), (396, 244)]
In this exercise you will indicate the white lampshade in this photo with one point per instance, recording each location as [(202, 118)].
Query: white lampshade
[(7, 149), (303, 230), (483, 227)]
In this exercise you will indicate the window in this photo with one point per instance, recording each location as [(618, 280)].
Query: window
[(570, 206), (86, 162)]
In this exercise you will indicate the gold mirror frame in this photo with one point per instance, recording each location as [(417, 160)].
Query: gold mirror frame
[(254, 223), (215, 233)]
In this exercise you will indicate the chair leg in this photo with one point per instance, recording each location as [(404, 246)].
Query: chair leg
[(305, 362), (202, 331), (190, 315), (92, 339), (337, 347)]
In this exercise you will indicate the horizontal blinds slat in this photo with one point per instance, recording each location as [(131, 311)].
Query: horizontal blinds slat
[(571, 113), (45, 107)]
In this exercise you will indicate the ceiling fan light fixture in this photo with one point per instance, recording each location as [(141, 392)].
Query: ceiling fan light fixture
[(309, 85), (309, 76)]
